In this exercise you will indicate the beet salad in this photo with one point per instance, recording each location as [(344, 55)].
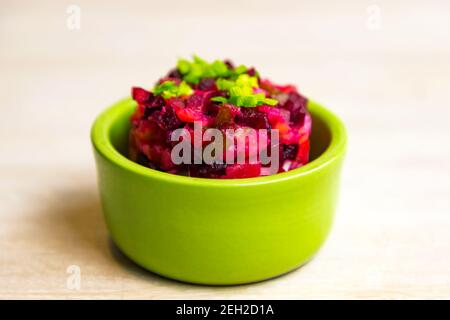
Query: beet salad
[(201, 95)]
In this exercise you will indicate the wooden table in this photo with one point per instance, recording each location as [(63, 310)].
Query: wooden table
[(384, 68)]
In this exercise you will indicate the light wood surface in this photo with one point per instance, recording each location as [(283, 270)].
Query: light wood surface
[(389, 80)]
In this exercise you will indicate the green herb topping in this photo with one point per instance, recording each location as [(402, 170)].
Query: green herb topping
[(240, 89), (169, 89)]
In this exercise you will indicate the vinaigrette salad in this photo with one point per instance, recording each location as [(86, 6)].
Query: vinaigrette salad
[(198, 96)]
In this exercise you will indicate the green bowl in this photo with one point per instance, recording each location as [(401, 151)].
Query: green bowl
[(213, 231)]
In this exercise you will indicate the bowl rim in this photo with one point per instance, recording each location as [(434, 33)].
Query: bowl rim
[(101, 142)]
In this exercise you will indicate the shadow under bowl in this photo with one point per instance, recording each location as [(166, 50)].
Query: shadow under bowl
[(217, 231)]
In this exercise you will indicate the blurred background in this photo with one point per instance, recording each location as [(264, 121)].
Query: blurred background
[(383, 66)]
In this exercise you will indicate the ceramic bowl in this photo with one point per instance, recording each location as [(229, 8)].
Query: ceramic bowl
[(213, 231)]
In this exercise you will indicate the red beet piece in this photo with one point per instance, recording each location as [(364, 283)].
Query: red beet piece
[(207, 84), (214, 170), (140, 95), (243, 171), (174, 74), (296, 104), (253, 118), (167, 118), (290, 151)]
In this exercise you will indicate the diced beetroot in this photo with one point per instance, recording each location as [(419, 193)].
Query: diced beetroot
[(229, 63), (143, 160), (286, 114), (195, 102), (207, 84), (296, 104), (215, 170), (160, 156), (251, 72), (174, 74), (290, 151), (137, 115), (287, 88), (167, 118), (189, 115), (253, 118), (247, 170), (140, 95), (303, 153), (149, 132), (274, 115), (155, 102), (212, 109)]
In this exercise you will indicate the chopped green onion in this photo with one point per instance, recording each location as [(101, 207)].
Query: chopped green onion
[(249, 101), (169, 89), (219, 99), (183, 66), (184, 89), (270, 102), (236, 82), (244, 80), (240, 69), (219, 68), (199, 60), (198, 69), (224, 84)]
